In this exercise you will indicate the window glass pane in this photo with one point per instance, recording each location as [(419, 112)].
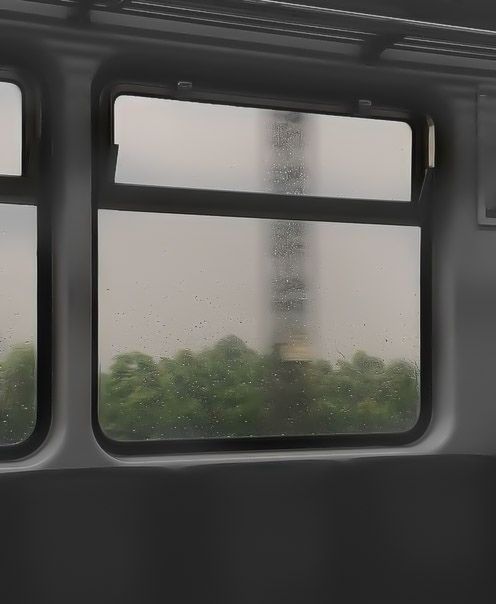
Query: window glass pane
[(198, 145), (225, 327), (17, 322), (10, 129)]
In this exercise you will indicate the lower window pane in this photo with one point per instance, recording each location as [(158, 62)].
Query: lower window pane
[(17, 323), (214, 327)]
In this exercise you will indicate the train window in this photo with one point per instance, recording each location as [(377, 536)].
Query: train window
[(210, 328), (231, 310), (18, 270), (199, 145), (19, 267), (10, 129)]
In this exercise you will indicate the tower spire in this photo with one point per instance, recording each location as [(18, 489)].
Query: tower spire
[(289, 298)]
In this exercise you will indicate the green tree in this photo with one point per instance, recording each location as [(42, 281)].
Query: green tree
[(230, 390), (218, 391), (17, 394), (133, 402)]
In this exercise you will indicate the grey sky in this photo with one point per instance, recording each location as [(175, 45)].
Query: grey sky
[(17, 234), (169, 282), (17, 275), (10, 129), (183, 144)]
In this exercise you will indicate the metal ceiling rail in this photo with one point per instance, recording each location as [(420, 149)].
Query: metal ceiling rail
[(371, 17), (372, 33)]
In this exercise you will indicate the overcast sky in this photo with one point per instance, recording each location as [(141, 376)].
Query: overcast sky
[(17, 234), (170, 282)]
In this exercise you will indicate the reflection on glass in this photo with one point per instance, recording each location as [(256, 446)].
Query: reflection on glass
[(10, 129), (17, 322), (223, 327), (198, 145)]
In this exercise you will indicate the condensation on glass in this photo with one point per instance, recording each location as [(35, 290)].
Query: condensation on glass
[(18, 274), (173, 143), (10, 129), (215, 327)]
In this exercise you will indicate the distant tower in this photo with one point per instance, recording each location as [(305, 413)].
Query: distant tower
[(289, 297)]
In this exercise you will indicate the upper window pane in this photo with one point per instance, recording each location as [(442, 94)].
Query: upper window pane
[(10, 129), (173, 143), (17, 323)]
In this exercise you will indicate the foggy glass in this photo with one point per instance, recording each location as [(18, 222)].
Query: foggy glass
[(224, 327), (173, 143), (10, 129), (18, 274)]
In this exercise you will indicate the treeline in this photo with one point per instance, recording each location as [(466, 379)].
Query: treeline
[(227, 390), (230, 390)]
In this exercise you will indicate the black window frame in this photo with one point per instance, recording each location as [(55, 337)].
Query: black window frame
[(109, 195), (27, 189)]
